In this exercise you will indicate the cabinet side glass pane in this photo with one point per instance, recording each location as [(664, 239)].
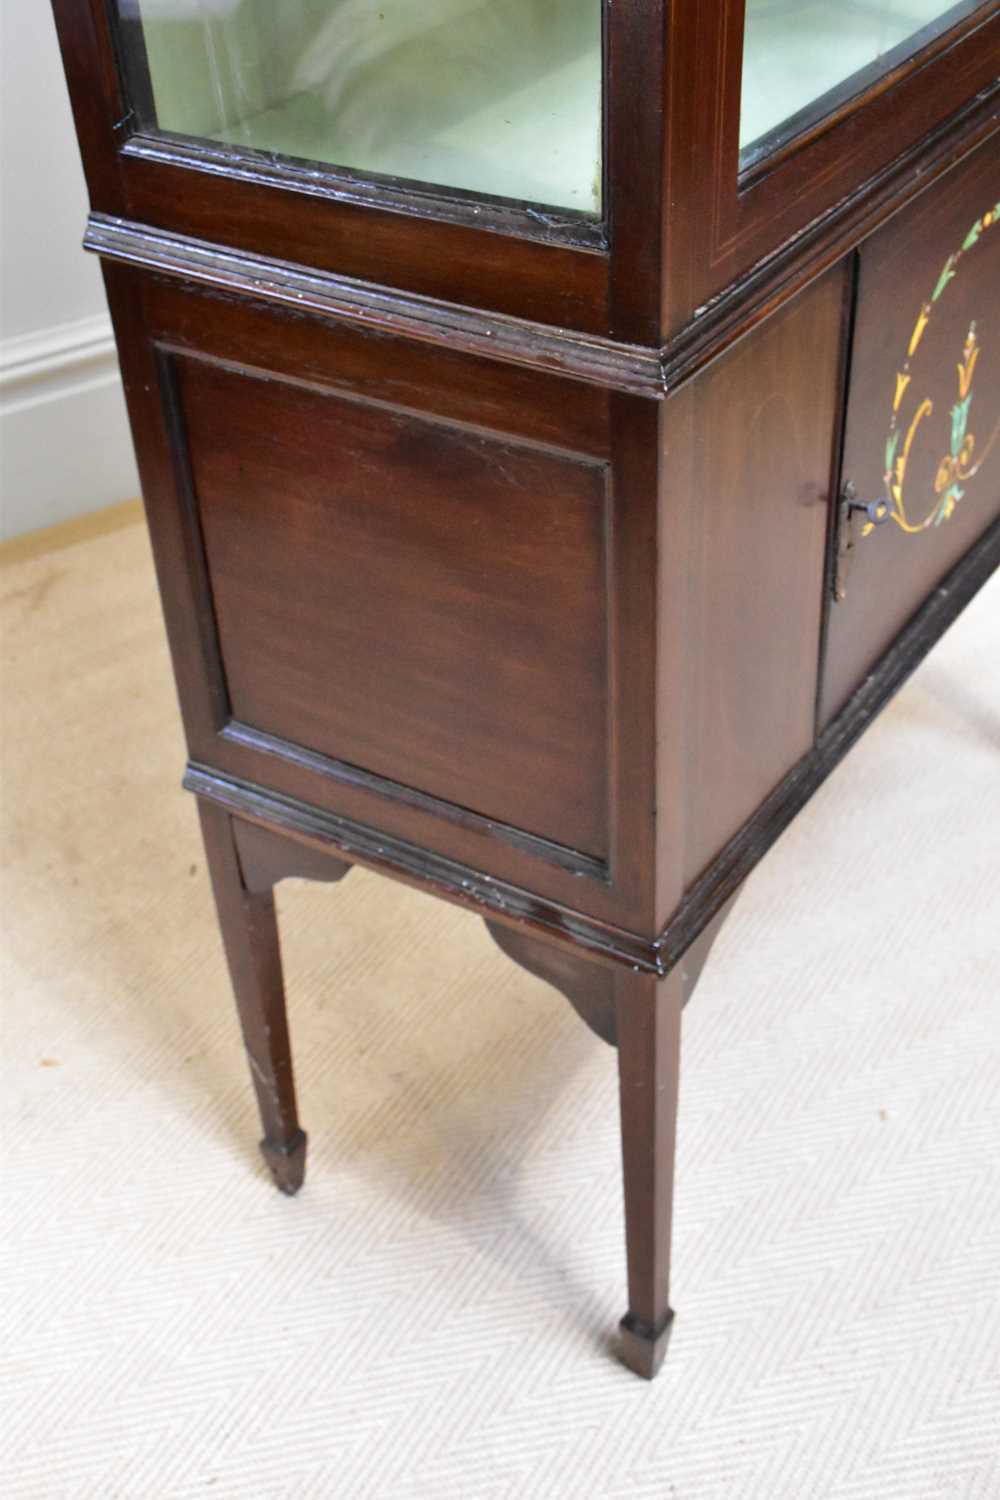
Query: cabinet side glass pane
[(494, 97), (802, 59)]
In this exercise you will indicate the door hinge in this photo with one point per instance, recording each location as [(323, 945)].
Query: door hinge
[(849, 527)]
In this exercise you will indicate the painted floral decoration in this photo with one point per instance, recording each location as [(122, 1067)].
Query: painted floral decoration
[(960, 463)]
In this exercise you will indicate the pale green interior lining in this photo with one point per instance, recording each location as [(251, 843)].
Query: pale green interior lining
[(494, 96), (795, 50)]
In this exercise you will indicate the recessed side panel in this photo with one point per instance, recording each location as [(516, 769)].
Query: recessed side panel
[(419, 600), (747, 460)]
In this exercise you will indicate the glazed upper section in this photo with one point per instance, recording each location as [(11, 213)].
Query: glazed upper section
[(499, 98), (615, 171), (802, 59), (496, 98)]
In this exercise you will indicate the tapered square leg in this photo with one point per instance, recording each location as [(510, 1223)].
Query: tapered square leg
[(250, 937), (648, 1015)]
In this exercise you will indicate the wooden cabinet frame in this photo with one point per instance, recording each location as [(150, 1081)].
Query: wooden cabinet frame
[(652, 365)]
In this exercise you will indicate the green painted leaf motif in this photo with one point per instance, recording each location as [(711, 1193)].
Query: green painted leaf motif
[(946, 275), (959, 412), (959, 423)]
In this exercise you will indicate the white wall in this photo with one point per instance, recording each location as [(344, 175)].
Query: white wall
[(64, 443)]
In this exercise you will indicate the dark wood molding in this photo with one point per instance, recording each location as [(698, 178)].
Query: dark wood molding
[(589, 987), (554, 285), (482, 893), (599, 361), (550, 226), (574, 860)]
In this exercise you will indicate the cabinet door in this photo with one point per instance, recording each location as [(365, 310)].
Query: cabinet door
[(449, 149), (922, 438), (501, 100), (782, 112), (803, 60)]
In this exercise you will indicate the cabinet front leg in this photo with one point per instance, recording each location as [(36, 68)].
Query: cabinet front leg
[(649, 1036), (250, 937)]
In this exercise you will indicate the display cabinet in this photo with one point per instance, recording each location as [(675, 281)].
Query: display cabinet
[(562, 426)]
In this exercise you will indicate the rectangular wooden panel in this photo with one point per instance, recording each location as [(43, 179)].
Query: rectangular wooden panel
[(410, 596), (748, 457), (539, 406), (923, 422)]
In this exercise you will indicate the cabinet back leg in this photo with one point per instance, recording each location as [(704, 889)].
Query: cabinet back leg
[(649, 1035), (250, 937)]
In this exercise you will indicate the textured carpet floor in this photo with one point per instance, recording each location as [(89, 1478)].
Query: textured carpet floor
[(431, 1317)]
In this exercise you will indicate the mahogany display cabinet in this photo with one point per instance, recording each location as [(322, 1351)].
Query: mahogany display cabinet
[(562, 426)]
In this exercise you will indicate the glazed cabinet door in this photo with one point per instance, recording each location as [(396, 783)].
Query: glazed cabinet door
[(450, 149), (787, 117), (500, 101), (803, 60), (921, 464)]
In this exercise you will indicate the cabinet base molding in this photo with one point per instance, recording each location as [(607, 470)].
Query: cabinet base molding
[(513, 910), (359, 844)]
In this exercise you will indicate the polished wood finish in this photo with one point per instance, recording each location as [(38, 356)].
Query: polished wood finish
[(648, 1013), (496, 613), (751, 565), (250, 934), (497, 547), (265, 859), (589, 987)]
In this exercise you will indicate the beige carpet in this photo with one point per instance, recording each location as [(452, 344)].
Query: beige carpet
[(430, 1318)]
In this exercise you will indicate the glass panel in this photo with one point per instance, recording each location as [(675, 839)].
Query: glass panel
[(494, 96), (804, 58)]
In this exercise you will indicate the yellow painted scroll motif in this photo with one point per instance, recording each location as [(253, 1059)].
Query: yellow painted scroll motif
[(961, 462)]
